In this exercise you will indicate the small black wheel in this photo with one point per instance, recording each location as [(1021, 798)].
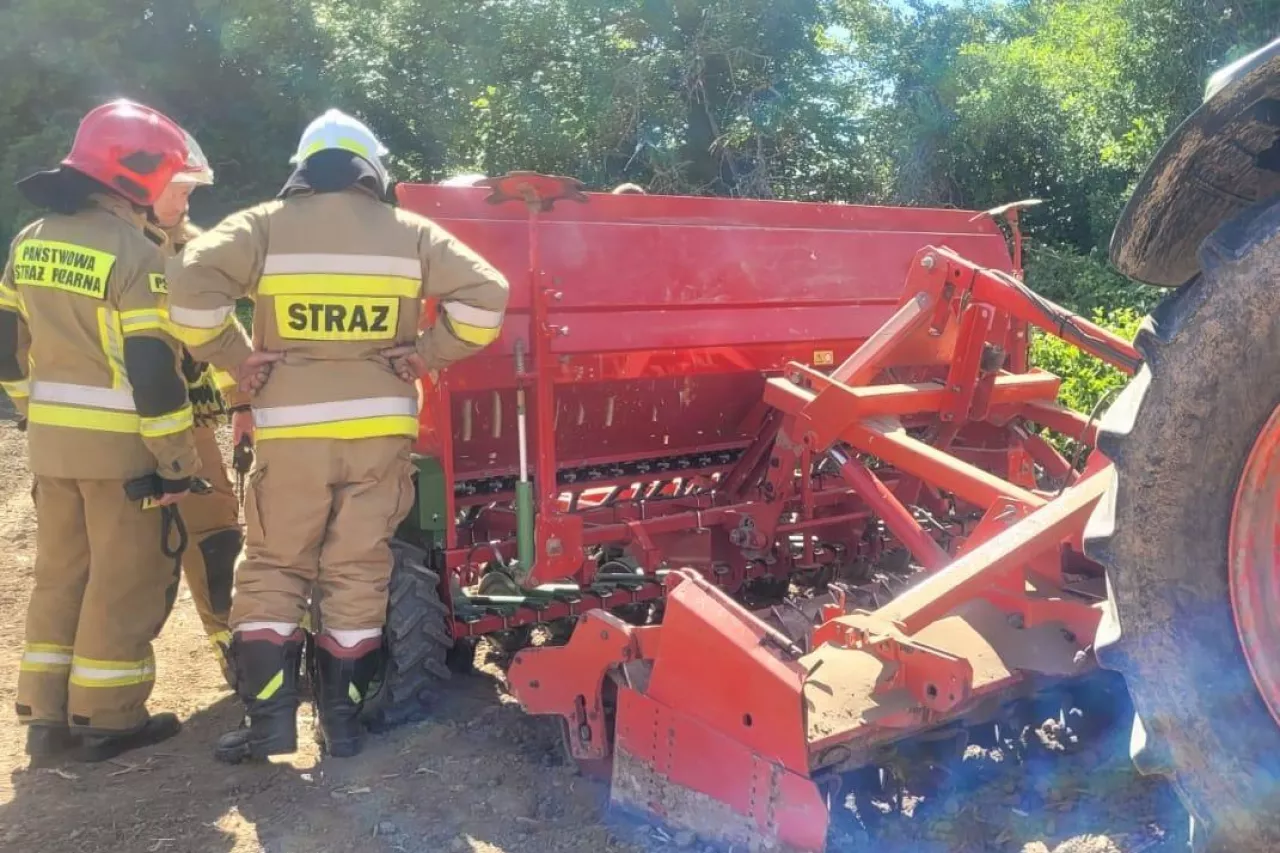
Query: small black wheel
[(417, 644)]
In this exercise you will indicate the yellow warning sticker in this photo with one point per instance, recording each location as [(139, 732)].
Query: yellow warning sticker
[(62, 266), (337, 318), (823, 358), (158, 283)]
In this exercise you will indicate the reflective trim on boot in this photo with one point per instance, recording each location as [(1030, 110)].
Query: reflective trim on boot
[(266, 673), (342, 677)]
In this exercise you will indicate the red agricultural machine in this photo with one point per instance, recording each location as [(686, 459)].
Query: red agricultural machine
[(774, 480)]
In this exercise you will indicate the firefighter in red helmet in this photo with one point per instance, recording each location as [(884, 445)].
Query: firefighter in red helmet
[(86, 355)]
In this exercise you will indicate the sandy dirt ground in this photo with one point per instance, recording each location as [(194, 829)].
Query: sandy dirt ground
[(482, 777)]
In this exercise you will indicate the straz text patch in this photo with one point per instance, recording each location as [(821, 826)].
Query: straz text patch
[(337, 318)]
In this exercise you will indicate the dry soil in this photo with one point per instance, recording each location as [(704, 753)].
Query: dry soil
[(483, 777)]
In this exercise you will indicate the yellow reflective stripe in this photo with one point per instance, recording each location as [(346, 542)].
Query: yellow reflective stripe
[(221, 641), (223, 380), (144, 320), (467, 333), (19, 388), (112, 339), (339, 284), (51, 414), (194, 336), (8, 297), (54, 648), (114, 665), (87, 672), (163, 425), (276, 682), (361, 428), (353, 693), (345, 143)]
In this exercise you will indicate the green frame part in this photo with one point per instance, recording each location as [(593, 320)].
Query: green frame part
[(430, 513)]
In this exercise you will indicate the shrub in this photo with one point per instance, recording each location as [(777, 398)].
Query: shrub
[(1086, 380)]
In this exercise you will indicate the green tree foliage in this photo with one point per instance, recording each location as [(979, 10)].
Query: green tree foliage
[(969, 103), (242, 75), (1088, 384)]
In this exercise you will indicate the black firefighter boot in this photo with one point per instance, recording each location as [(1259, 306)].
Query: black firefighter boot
[(265, 666), (49, 744), (341, 679), (157, 728)]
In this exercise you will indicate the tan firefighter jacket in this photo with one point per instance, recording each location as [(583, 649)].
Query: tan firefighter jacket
[(336, 278), (82, 285), (213, 392)]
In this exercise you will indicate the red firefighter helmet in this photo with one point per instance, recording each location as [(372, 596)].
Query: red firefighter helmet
[(130, 148)]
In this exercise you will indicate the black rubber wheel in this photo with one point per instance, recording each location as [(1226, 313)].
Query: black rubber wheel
[(1179, 436), (417, 643)]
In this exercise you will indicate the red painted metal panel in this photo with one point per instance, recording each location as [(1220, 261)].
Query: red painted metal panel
[(690, 774), (720, 664), (676, 305)]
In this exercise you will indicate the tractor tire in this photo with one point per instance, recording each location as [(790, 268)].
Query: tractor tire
[(417, 643), (1179, 436)]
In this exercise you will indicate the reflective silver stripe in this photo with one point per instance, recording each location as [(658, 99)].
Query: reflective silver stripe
[(284, 629), (89, 673), (345, 410), (472, 315), (303, 263), (82, 395), (200, 318), (47, 657), (350, 637)]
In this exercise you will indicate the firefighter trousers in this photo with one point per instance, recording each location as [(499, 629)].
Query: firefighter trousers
[(214, 540), (319, 515), (103, 589)]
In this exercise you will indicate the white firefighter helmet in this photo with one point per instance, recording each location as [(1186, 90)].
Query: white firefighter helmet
[(197, 169), (335, 130)]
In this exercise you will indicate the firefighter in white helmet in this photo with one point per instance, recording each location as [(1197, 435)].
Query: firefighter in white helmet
[(212, 518), (338, 275)]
